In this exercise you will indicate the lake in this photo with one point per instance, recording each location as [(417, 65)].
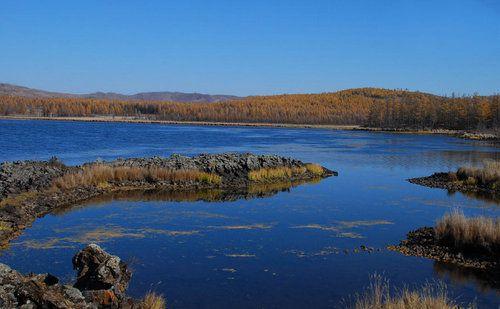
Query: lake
[(299, 247)]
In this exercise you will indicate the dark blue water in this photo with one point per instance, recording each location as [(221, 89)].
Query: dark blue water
[(293, 249)]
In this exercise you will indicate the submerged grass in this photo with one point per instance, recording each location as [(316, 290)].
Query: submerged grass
[(378, 296), (477, 233), (102, 175)]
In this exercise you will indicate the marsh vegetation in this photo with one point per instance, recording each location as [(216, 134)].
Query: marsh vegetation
[(102, 175), (487, 175), (380, 295), (475, 234)]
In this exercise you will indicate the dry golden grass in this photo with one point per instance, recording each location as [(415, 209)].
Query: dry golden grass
[(315, 169), (18, 199), (153, 301), (283, 173), (477, 233), (488, 175), (102, 175), (378, 296)]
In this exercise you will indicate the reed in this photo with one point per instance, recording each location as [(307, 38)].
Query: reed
[(378, 296), (153, 301), (283, 173), (102, 175), (315, 169), (479, 234), (487, 176)]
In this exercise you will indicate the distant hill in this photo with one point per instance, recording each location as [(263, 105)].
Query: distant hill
[(14, 90), (369, 107)]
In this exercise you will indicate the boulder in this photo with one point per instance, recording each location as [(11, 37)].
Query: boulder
[(101, 283), (102, 277)]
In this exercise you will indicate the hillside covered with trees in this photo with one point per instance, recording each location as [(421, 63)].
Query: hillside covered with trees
[(365, 106)]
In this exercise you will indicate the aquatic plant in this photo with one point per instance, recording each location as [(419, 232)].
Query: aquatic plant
[(101, 175), (469, 234), (153, 301), (378, 296)]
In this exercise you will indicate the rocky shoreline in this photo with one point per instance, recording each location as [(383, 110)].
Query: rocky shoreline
[(26, 187), (423, 242), (102, 281), (443, 180)]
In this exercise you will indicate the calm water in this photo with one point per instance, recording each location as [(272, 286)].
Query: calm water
[(293, 249)]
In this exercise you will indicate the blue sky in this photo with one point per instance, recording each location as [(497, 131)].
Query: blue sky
[(251, 47)]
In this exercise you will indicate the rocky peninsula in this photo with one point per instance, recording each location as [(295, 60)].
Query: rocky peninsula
[(470, 243), (31, 189), (481, 181)]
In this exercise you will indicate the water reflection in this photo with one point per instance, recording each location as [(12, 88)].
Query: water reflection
[(206, 195), (488, 198), (485, 281)]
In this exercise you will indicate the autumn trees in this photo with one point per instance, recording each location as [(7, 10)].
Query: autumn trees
[(365, 106)]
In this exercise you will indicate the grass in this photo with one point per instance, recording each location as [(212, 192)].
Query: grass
[(469, 234), (315, 169), (18, 199), (283, 173), (378, 296), (102, 175), (153, 301), (487, 176)]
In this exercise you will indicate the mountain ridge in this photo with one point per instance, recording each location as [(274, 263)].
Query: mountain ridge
[(175, 96)]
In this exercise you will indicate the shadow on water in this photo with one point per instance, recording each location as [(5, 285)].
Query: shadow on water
[(488, 198), (484, 281)]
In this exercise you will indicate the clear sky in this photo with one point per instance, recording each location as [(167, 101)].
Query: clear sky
[(251, 47)]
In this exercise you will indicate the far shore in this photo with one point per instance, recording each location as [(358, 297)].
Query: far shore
[(456, 133)]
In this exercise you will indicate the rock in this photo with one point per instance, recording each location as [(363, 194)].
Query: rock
[(101, 276), (102, 281), (36, 291), (22, 176)]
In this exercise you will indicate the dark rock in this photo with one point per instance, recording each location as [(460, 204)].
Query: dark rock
[(102, 281), (23, 176), (32, 291), (103, 277)]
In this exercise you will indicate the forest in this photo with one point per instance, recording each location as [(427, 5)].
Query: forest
[(371, 107)]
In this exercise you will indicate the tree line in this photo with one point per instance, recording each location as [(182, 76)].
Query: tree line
[(366, 106)]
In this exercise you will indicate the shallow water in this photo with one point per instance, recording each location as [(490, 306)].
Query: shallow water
[(294, 248)]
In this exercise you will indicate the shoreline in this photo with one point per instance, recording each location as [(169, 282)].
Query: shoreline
[(442, 180), (120, 119), (423, 242), (179, 122), (33, 189)]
